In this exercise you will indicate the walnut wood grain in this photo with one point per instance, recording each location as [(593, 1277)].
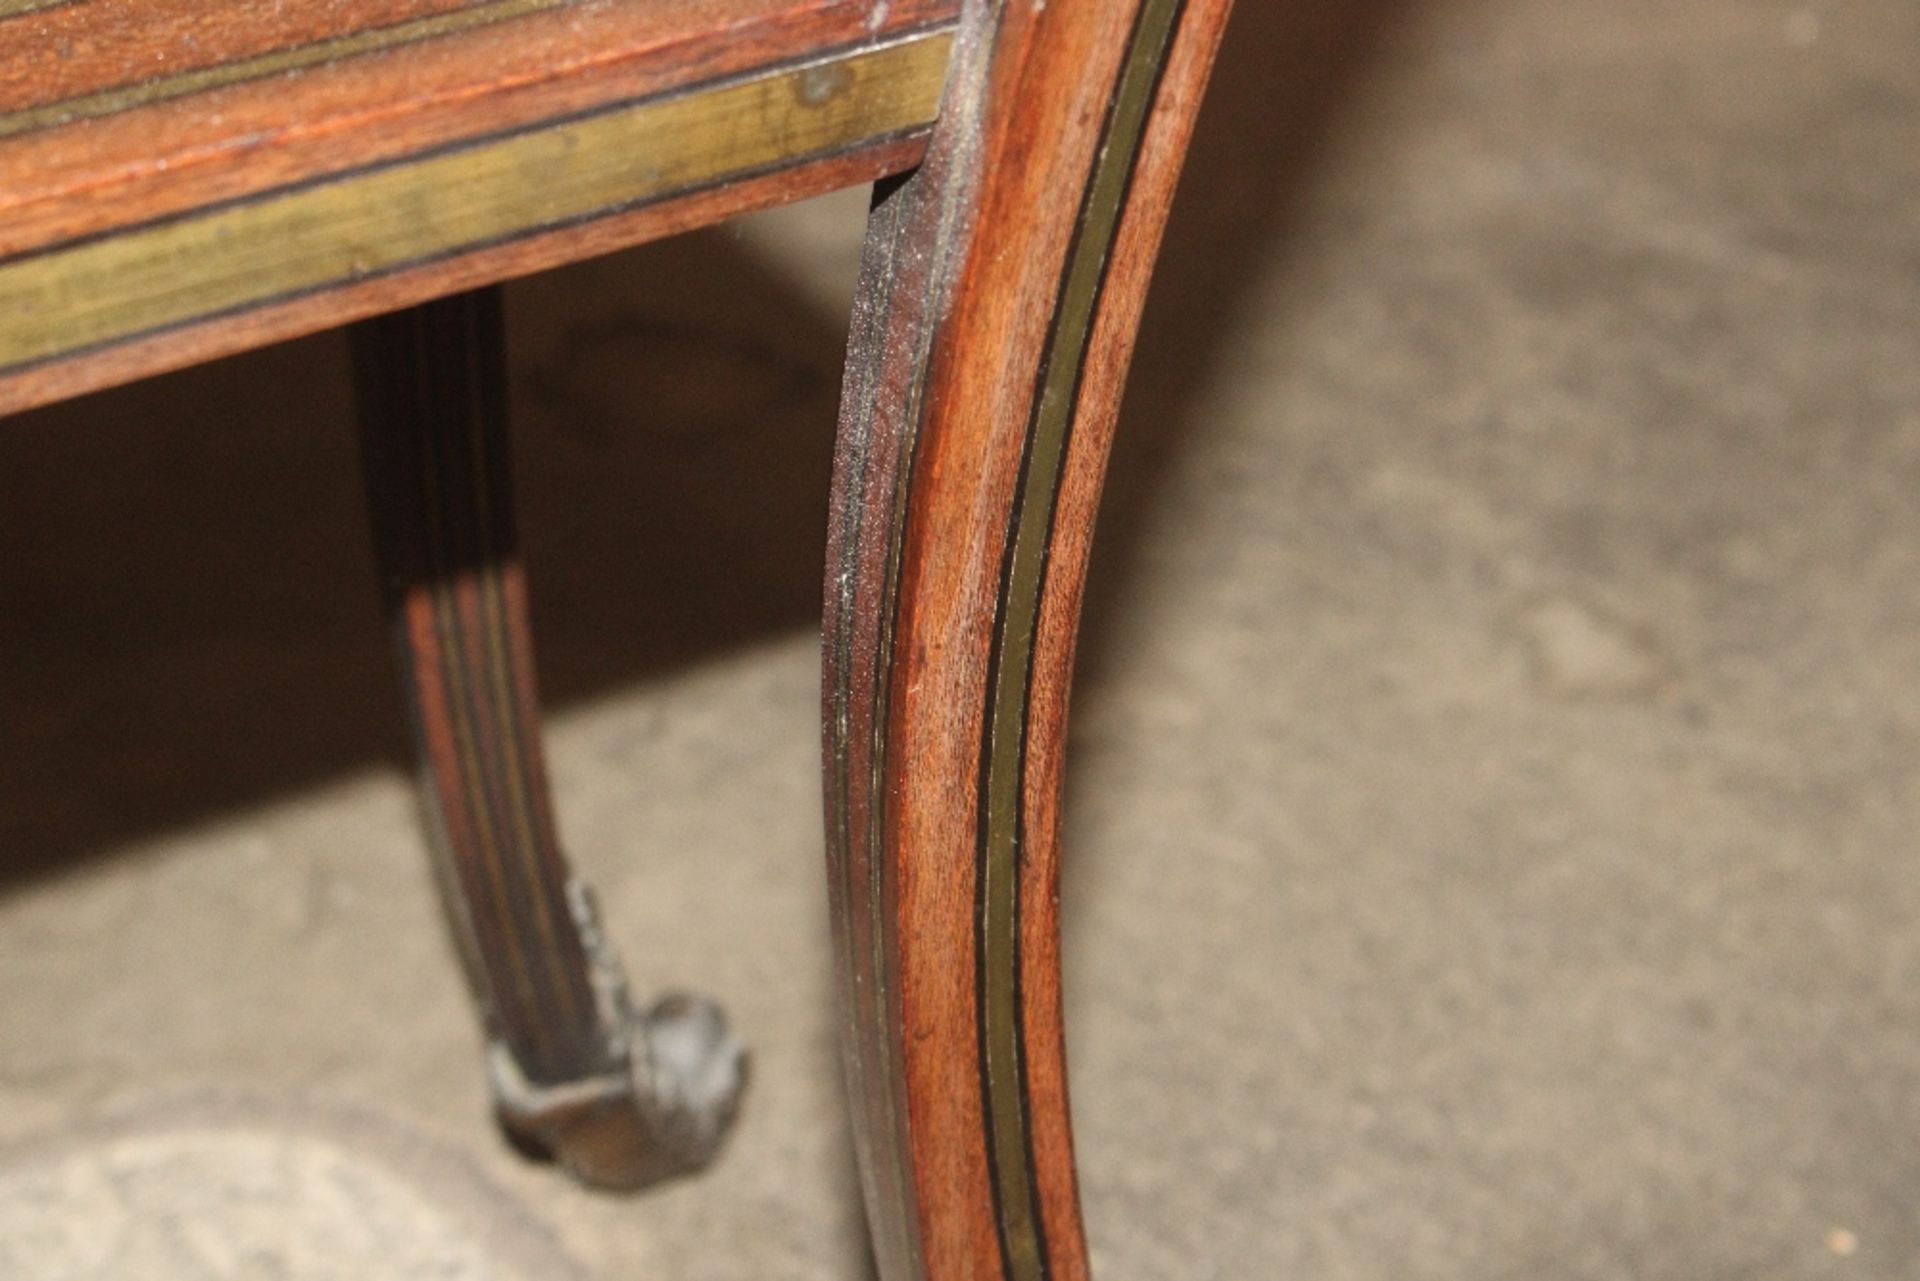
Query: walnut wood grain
[(1000, 295), (178, 124)]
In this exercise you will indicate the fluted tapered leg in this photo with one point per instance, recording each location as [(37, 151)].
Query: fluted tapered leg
[(622, 1098)]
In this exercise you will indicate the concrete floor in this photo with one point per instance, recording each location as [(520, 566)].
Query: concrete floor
[(1494, 805)]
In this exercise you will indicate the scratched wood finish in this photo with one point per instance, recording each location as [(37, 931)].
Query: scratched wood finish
[(1000, 295), (125, 125)]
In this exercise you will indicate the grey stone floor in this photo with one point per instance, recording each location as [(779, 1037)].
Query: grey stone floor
[(1494, 802)]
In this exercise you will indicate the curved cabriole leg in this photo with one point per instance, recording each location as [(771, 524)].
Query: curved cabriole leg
[(620, 1098), (999, 298)]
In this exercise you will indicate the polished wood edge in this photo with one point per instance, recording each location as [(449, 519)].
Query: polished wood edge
[(113, 350), (998, 302)]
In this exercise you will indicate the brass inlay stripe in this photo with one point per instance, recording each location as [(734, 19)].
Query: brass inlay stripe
[(125, 97), (1010, 1141), (269, 248)]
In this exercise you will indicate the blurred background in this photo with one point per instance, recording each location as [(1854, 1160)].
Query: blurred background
[(1494, 798)]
